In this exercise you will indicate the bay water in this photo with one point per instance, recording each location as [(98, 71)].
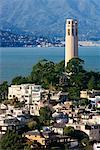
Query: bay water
[(19, 61)]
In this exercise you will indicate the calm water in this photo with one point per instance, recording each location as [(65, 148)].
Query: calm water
[(19, 61)]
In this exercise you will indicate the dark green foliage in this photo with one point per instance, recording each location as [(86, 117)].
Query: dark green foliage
[(45, 115), (32, 125), (80, 135), (73, 93), (3, 91), (83, 102), (19, 80), (74, 77), (69, 131), (93, 80), (11, 141), (74, 66), (91, 83), (44, 73)]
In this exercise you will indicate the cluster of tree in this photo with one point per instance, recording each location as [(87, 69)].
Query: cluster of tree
[(43, 120), (11, 141), (81, 136), (48, 74), (80, 79), (3, 91)]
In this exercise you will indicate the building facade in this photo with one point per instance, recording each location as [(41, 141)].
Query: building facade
[(71, 41), (29, 93)]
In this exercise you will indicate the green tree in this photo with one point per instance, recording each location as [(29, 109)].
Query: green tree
[(19, 80), (43, 73), (74, 66), (83, 102), (32, 125), (79, 135), (91, 83), (74, 93), (45, 115), (4, 91), (69, 131), (11, 141)]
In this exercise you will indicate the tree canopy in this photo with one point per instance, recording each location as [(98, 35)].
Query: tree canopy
[(3, 91), (50, 74), (11, 141), (45, 115)]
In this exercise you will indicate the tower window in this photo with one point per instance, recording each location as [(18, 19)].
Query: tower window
[(68, 31), (68, 22), (76, 31), (72, 31)]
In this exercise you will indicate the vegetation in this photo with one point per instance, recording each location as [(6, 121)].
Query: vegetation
[(11, 141), (69, 131), (81, 136), (45, 115), (3, 91), (19, 80), (83, 102), (32, 125), (49, 74), (91, 83)]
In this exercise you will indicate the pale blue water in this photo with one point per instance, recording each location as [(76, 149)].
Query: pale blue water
[(19, 61)]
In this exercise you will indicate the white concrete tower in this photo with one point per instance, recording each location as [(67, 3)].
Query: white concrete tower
[(71, 41)]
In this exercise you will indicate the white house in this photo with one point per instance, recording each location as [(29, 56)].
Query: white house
[(29, 93), (96, 146), (58, 128)]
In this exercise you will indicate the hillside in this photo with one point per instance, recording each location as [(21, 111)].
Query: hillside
[(47, 17)]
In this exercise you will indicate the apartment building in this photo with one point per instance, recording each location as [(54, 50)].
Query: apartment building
[(29, 93)]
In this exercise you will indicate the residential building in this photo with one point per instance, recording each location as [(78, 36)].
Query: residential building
[(29, 93), (40, 137), (58, 128), (92, 130), (9, 123), (84, 94)]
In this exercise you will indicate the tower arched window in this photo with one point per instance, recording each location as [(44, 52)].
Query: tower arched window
[(72, 31), (76, 32), (68, 31)]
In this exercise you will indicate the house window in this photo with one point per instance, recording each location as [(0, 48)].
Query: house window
[(68, 31)]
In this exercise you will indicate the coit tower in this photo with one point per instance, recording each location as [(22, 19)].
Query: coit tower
[(71, 41)]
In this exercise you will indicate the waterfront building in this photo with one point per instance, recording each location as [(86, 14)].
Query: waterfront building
[(71, 41)]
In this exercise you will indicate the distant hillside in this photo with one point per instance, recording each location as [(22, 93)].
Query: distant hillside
[(47, 17), (8, 39)]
